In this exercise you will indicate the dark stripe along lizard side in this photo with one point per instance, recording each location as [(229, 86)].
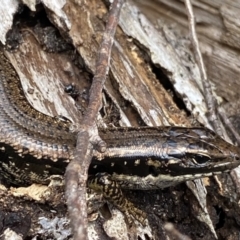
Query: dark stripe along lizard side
[(34, 146)]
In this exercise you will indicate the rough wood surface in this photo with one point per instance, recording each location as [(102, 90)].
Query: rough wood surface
[(218, 31), (153, 80)]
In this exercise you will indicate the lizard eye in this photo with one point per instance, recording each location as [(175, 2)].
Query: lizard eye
[(201, 159)]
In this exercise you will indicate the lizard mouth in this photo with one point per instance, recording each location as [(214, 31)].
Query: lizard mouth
[(213, 168)]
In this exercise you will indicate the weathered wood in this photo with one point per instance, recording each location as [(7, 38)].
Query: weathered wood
[(152, 72), (218, 31)]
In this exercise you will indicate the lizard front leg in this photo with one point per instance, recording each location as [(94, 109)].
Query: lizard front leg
[(112, 192)]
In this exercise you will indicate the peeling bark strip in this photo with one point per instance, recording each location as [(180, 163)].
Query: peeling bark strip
[(76, 172)]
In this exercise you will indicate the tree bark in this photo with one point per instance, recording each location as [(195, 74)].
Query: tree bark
[(153, 81)]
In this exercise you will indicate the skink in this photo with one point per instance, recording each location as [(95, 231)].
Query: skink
[(34, 146)]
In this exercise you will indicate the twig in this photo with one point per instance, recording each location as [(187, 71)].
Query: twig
[(214, 112), (210, 101), (76, 172)]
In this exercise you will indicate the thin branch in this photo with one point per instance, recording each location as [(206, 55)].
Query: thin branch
[(77, 170), (214, 112), (103, 61), (210, 101)]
